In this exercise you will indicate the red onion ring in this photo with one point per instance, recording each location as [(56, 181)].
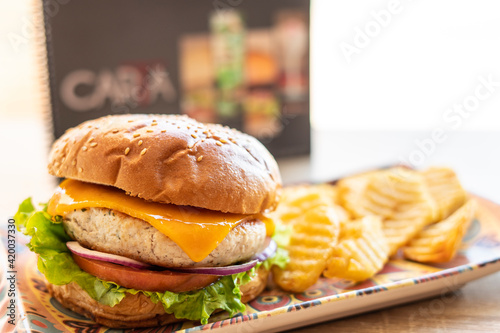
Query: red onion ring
[(269, 250), (77, 249)]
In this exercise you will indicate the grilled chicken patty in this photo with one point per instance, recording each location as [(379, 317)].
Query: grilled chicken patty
[(110, 231)]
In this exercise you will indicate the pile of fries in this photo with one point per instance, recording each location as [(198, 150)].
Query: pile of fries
[(351, 229)]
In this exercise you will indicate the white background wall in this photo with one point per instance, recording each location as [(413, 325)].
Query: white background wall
[(426, 58)]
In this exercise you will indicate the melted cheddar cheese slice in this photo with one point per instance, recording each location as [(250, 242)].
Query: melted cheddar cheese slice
[(197, 231)]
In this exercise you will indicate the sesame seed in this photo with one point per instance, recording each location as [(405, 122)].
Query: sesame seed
[(218, 143), (202, 140), (140, 142), (189, 127), (199, 158), (115, 131), (144, 151), (93, 144), (127, 150), (136, 135), (163, 131), (130, 121), (223, 141), (196, 131), (80, 169), (154, 120), (149, 131), (91, 139), (178, 127), (194, 136), (154, 124), (73, 163), (84, 148), (191, 145)]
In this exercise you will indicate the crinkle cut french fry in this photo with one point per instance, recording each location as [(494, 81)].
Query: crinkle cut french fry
[(399, 231), (362, 251), (314, 236), (296, 200), (403, 190), (385, 193), (445, 189), (399, 196), (351, 194), (440, 242)]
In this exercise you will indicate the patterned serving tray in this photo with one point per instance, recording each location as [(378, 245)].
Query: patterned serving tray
[(399, 282)]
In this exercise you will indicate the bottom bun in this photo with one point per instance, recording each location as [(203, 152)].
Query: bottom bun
[(135, 310)]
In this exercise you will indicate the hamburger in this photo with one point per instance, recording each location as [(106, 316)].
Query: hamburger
[(159, 219)]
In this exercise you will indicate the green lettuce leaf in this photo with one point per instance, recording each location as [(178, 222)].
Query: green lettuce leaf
[(48, 240), (280, 259), (282, 234), (24, 212)]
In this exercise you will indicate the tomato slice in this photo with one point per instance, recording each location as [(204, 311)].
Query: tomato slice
[(143, 279)]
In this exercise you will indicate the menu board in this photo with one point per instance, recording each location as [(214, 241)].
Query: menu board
[(241, 63)]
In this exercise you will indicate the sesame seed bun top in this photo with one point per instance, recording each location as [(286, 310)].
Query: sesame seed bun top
[(171, 159)]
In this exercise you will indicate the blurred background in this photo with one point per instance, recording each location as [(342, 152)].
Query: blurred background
[(387, 82)]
